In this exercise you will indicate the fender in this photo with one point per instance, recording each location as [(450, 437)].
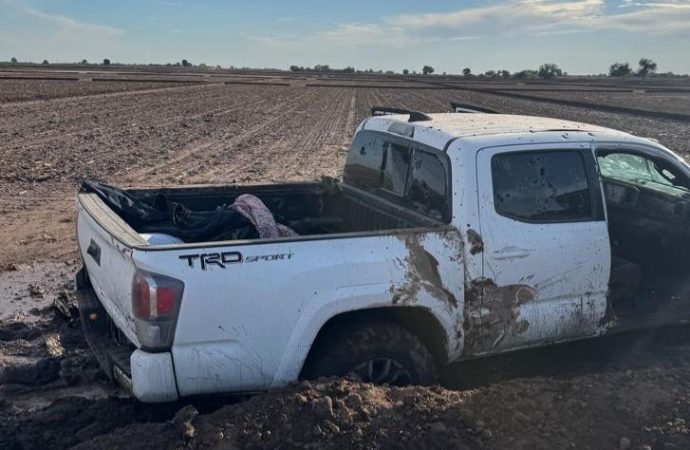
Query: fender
[(326, 306)]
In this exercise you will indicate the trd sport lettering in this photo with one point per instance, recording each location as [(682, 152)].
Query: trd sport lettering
[(217, 259), (277, 257)]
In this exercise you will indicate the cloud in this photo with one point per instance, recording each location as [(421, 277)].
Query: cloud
[(649, 18), (38, 34), (517, 13), (507, 18), (67, 24), (558, 17)]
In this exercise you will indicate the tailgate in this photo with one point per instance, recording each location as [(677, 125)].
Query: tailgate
[(108, 261)]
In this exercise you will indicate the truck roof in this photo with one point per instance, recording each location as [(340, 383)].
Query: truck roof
[(446, 126)]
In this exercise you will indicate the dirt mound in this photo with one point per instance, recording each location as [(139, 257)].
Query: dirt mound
[(631, 409), (324, 414)]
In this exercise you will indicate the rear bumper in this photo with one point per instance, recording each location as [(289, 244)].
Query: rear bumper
[(150, 377)]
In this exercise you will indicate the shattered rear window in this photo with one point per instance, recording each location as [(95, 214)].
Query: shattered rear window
[(427, 185)]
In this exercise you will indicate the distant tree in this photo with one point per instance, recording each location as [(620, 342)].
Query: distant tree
[(349, 69), (45, 62), (620, 70), (13, 60), (186, 63), (647, 67), (549, 70), (83, 61), (427, 70), (106, 62), (490, 74), (467, 71), (526, 74), (504, 73), (406, 72)]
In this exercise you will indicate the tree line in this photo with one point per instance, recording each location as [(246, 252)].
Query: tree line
[(646, 67)]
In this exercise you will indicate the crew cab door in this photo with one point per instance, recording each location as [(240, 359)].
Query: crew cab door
[(546, 257)]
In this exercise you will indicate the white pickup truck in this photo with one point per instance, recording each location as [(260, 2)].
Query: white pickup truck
[(451, 236)]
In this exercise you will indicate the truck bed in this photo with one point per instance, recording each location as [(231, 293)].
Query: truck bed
[(311, 209)]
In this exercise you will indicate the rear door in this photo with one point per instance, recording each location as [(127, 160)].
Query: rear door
[(546, 257)]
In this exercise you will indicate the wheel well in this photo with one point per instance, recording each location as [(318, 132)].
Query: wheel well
[(417, 320)]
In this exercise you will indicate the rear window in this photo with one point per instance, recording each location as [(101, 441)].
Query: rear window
[(543, 186), (396, 166), (403, 172), (365, 161)]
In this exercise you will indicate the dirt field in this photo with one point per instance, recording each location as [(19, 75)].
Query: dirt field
[(628, 392)]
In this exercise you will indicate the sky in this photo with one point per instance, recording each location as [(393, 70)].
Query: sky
[(582, 37)]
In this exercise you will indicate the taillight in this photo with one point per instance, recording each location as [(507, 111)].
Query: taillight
[(156, 304)]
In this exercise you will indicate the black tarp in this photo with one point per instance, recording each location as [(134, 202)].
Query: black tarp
[(164, 216)]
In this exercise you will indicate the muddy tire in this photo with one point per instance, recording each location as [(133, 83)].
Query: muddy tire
[(375, 351)]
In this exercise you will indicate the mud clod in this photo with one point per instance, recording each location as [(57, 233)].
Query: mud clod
[(475, 241), (35, 291)]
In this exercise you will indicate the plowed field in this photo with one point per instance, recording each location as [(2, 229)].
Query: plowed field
[(630, 392)]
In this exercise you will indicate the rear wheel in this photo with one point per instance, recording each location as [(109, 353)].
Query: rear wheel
[(374, 351)]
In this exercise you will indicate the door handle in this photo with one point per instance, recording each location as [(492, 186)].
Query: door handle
[(511, 253)]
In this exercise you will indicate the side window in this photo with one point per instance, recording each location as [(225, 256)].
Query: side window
[(625, 166), (638, 169), (542, 186), (427, 185), (396, 165)]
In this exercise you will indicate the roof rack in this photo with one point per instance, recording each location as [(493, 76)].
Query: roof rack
[(415, 116), (471, 109)]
